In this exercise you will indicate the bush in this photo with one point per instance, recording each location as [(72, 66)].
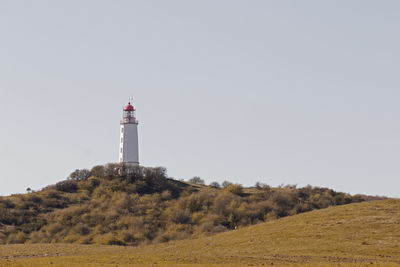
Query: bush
[(215, 185), (166, 195), (262, 186), (196, 180), (236, 189), (98, 171), (226, 184), (180, 216), (17, 238), (69, 186), (80, 174)]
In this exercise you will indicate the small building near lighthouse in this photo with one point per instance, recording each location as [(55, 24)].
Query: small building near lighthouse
[(129, 144)]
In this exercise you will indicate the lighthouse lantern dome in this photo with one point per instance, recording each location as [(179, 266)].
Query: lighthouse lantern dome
[(129, 112), (129, 107)]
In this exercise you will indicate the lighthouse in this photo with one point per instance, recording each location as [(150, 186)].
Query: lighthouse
[(129, 146)]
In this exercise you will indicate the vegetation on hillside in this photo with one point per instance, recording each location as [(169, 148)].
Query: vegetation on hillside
[(359, 234), (125, 205)]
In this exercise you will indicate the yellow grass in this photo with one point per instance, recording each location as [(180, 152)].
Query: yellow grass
[(351, 235)]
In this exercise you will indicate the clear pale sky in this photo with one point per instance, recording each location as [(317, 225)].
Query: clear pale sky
[(293, 92)]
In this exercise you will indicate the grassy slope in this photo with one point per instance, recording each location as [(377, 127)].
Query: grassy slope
[(354, 235)]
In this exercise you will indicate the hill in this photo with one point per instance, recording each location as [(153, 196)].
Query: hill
[(357, 234), (118, 204)]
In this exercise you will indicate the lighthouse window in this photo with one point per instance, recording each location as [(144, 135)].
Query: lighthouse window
[(121, 139), (121, 149), (122, 129)]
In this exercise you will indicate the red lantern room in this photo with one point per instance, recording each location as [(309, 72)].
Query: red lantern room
[(129, 114), (129, 107)]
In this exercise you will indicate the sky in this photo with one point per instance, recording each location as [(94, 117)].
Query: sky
[(281, 92)]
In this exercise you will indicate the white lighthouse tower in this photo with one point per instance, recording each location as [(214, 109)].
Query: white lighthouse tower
[(129, 147)]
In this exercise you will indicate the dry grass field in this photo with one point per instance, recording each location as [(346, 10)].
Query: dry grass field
[(361, 234)]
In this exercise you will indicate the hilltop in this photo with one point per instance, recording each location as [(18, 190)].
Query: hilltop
[(117, 204), (356, 234)]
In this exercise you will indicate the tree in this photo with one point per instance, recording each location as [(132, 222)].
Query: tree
[(80, 174), (196, 180), (69, 186), (225, 184), (28, 190), (215, 185), (98, 171)]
